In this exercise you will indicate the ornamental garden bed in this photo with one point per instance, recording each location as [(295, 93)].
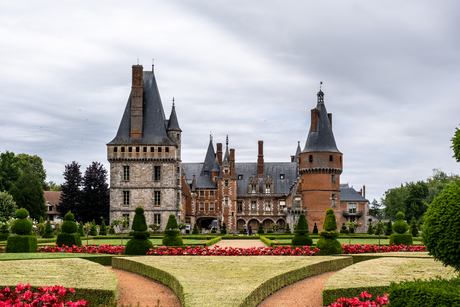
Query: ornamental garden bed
[(375, 276), (91, 281)]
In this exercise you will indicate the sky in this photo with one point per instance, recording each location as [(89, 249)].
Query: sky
[(246, 69)]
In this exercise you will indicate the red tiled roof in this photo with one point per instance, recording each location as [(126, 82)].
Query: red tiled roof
[(52, 197)]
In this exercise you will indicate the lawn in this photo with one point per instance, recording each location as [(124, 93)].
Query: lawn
[(375, 276), (228, 281), (91, 281)]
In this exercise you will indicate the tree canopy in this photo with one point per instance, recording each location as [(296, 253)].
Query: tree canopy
[(456, 144), (7, 206)]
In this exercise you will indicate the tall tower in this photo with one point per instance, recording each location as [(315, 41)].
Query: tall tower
[(144, 156), (320, 166)]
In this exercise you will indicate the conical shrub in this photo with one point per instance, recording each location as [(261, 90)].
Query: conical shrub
[(24, 242), (301, 233), (327, 243), (195, 229), (68, 235), (330, 223), (49, 233), (103, 229), (140, 244), (288, 229), (260, 230), (93, 229), (315, 229), (172, 233)]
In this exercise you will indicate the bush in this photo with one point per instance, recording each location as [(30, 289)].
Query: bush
[(112, 230), (301, 236), (140, 244), (370, 231), (389, 229), (195, 229), (260, 230), (269, 230), (68, 239), (398, 239), (22, 226), (69, 226), (315, 229), (21, 244), (288, 229), (343, 229), (81, 230), (413, 228), (328, 243), (103, 229), (400, 226), (172, 222), (223, 229), (442, 226), (48, 231), (431, 293), (41, 223), (172, 234), (213, 231), (4, 232), (93, 230), (241, 231)]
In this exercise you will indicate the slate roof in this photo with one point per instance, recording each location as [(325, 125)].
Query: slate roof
[(201, 181), (209, 159), (348, 193), (154, 124), (322, 140), (173, 123)]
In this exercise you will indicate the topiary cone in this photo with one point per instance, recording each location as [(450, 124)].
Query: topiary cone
[(301, 232), (172, 233), (140, 244), (328, 243), (330, 223)]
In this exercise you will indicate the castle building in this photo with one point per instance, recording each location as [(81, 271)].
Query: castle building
[(146, 170)]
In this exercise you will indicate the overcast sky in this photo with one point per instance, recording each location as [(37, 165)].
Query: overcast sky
[(249, 69)]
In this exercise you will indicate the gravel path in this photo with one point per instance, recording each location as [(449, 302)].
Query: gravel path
[(240, 243)]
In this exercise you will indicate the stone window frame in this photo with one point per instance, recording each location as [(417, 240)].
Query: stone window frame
[(239, 206), (253, 206), (157, 172), (201, 206), (211, 206), (211, 193), (201, 193), (126, 172), (128, 219), (333, 200), (157, 218), (268, 206), (126, 198), (157, 199)]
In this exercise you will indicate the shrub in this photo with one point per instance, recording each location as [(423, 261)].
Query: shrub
[(330, 223), (389, 229), (195, 229), (93, 230), (140, 244), (213, 231), (343, 229), (427, 293), (328, 243), (301, 236), (400, 226), (69, 235), (48, 231), (401, 238), (41, 225), (413, 228), (4, 232), (21, 244), (270, 231), (241, 231), (260, 230), (22, 226), (112, 230), (370, 230), (81, 230), (172, 234), (288, 229), (442, 226), (223, 229), (103, 230), (315, 229)]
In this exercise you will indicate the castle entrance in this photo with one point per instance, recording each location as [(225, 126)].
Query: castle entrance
[(206, 223)]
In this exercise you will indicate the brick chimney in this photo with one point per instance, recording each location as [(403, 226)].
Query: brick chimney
[(292, 158), (232, 162), (137, 102), (314, 120), (219, 153), (260, 160)]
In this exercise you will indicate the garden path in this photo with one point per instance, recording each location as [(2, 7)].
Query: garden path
[(240, 243)]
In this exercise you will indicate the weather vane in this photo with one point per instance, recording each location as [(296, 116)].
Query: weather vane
[(173, 101), (320, 85)]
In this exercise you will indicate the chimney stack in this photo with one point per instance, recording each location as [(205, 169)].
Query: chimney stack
[(137, 93), (232, 162), (292, 158), (314, 120), (260, 160), (364, 191), (219, 153)]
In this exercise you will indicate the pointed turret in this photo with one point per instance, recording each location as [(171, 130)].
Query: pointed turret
[(173, 123), (297, 152), (227, 154), (320, 137), (209, 159)]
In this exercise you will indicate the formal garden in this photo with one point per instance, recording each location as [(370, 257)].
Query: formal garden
[(399, 269)]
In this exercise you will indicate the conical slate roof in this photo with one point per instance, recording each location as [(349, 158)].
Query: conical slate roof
[(173, 123), (322, 139), (297, 152), (209, 159), (227, 154), (154, 129)]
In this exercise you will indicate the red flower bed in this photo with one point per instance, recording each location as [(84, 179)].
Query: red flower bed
[(45, 296), (356, 302), (360, 249), (234, 251), (90, 249)]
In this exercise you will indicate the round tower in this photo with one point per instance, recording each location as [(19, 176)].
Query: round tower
[(320, 166)]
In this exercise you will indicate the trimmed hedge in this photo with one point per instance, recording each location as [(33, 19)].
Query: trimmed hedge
[(4, 232), (431, 293), (266, 240), (399, 239), (172, 238), (68, 239), (213, 241), (21, 244), (48, 231)]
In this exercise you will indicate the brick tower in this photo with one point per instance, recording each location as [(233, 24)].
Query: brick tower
[(145, 156), (320, 166)]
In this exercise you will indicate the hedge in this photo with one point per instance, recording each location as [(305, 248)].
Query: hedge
[(266, 240), (213, 241)]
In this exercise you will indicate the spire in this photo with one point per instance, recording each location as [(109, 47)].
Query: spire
[(173, 123), (216, 166), (209, 159), (297, 152), (320, 137), (227, 154)]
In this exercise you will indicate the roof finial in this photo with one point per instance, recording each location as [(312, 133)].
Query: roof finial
[(137, 61), (173, 102), (320, 93), (227, 140), (320, 85), (152, 63), (210, 136)]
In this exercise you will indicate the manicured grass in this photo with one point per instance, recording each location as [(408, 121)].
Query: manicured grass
[(375, 276), (369, 256), (103, 259), (228, 281), (91, 281)]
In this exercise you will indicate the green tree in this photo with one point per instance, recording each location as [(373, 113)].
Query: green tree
[(7, 206), (456, 145), (395, 201), (52, 186), (374, 208), (71, 196), (25, 160), (9, 170), (28, 193), (95, 194)]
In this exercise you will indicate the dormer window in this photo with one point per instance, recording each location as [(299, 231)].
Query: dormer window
[(240, 177), (253, 188), (206, 173), (282, 176), (267, 189)]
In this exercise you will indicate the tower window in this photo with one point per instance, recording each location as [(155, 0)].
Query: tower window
[(125, 173), (157, 173), (138, 149), (125, 198), (333, 178), (152, 149), (177, 136), (130, 149), (166, 149), (144, 149), (331, 158), (159, 149), (122, 149), (115, 149), (310, 158), (226, 183), (333, 200), (226, 201), (157, 198)]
